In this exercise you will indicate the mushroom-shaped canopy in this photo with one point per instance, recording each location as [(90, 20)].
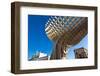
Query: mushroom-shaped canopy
[(68, 29)]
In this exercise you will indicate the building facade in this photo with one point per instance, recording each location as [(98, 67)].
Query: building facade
[(81, 53)]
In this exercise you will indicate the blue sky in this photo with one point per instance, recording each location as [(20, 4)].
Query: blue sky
[(38, 40)]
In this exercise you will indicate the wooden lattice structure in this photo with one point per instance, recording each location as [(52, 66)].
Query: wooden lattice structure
[(65, 32)]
